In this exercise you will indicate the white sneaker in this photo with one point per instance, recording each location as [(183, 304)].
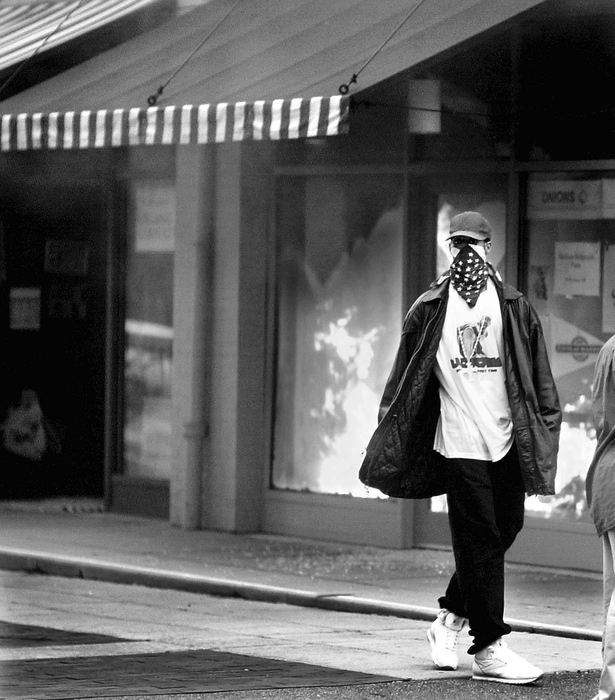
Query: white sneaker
[(498, 663), (442, 637)]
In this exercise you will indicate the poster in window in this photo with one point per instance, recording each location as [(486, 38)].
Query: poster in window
[(25, 308), (577, 268), (154, 206)]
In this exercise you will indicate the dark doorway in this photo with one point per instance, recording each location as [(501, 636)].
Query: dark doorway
[(52, 325)]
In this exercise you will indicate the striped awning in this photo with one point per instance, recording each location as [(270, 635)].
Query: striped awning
[(25, 26), (186, 124)]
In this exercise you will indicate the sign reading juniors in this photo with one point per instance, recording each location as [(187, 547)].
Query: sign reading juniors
[(564, 199)]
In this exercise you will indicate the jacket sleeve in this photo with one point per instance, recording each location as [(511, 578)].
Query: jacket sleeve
[(544, 384), (600, 469), (603, 391), (409, 338)]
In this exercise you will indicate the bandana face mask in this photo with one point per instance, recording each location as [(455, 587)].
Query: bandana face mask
[(469, 273)]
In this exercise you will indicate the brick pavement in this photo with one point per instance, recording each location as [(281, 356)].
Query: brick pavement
[(194, 671)]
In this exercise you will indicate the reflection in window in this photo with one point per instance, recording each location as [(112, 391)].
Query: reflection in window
[(148, 331), (338, 325), (566, 238), (147, 403)]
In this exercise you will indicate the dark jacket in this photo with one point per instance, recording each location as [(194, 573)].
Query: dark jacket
[(600, 480), (400, 460)]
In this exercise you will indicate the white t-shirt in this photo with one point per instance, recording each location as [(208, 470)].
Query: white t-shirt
[(475, 420)]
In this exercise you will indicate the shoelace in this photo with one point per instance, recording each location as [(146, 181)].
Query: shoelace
[(451, 638)]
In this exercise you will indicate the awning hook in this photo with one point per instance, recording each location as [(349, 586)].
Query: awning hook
[(344, 88), (152, 99)]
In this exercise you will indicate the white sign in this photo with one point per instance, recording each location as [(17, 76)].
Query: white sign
[(564, 199), (154, 217), (608, 290), (577, 269), (572, 348), (25, 308)]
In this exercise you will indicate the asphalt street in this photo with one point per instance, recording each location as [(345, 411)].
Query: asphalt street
[(73, 638)]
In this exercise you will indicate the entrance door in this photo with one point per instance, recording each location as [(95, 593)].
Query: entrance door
[(52, 270), (143, 471)]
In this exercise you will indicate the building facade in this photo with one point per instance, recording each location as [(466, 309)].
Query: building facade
[(217, 322)]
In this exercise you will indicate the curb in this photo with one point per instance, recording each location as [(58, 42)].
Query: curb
[(112, 572)]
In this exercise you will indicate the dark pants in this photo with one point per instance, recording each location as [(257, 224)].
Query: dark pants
[(485, 511)]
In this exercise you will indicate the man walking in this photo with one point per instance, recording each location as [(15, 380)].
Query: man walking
[(470, 409), (600, 487)]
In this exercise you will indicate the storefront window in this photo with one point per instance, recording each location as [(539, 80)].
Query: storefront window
[(338, 315), (571, 283), (149, 331)]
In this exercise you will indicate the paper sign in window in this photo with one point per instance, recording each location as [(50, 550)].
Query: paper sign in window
[(154, 217), (25, 308), (577, 269)]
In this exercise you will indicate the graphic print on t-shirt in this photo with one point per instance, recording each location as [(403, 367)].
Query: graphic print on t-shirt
[(475, 420), (470, 338)]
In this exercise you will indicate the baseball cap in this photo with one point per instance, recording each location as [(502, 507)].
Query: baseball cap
[(470, 224)]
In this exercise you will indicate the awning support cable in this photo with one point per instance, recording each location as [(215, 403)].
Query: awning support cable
[(344, 88), (153, 99), (39, 48)]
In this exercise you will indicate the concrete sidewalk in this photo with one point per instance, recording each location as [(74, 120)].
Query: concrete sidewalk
[(38, 537)]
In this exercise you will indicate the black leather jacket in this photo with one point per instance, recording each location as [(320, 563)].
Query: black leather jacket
[(400, 460)]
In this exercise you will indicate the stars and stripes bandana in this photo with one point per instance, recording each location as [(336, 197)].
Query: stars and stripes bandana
[(469, 274)]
